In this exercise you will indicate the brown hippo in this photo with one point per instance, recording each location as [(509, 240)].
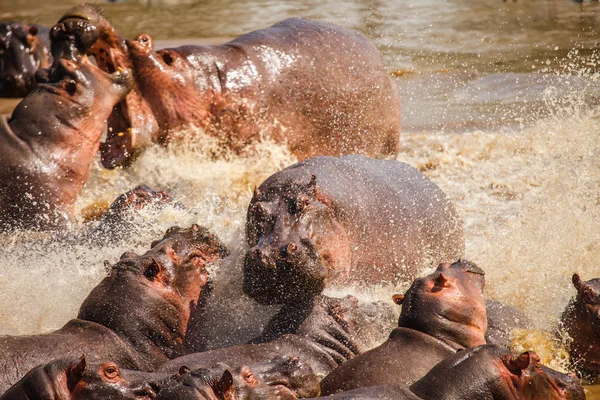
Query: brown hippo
[(23, 50), (345, 219), (581, 321), (324, 335), (481, 373), (76, 379), (135, 317), (280, 379), (502, 319), (320, 88), (49, 142), (441, 313)]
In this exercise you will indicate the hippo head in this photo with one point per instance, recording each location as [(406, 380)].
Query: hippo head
[(131, 124), (296, 243), (22, 53), (76, 94), (282, 378), (447, 304), (151, 296), (493, 372), (76, 379), (588, 299)]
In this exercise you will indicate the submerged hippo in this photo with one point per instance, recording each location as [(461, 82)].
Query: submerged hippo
[(320, 88), (76, 379), (481, 373), (280, 379), (23, 50), (441, 313), (581, 321), (49, 142), (345, 219), (135, 317), (322, 336)]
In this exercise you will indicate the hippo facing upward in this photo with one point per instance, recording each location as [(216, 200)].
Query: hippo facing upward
[(23, 50), (348, 219), (581, 320), (320, 88), (441, 313), (481, 373), (135, 317), (48, 144)]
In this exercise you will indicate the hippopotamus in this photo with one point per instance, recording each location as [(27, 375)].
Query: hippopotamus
[(49, 142), (345, 220), (581, 321), (319, 88), (502, 319), (135, 317), (23, 50), (481, 373), (282, 378), (441, 313), (322, 336), (77, 379)]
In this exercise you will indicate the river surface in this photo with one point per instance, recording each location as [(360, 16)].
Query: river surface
[(500, 109)]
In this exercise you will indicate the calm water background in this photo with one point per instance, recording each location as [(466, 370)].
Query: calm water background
[(499, 108)]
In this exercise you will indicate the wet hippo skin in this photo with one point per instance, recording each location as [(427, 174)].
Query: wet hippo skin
[(345, 220), (135, 317), (49, 142), (279, 379), (23, 50), (320, 88), (441, 313), (328, 334), (481, 373)]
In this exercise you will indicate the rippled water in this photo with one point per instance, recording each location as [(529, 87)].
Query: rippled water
[(500, 109)]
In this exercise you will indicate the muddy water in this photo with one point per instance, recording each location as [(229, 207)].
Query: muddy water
[(499, 109)]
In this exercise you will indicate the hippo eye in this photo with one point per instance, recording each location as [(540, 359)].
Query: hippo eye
[(111, 372), (71, 87)]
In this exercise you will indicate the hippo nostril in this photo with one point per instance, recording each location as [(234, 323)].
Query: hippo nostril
[(289, 249)]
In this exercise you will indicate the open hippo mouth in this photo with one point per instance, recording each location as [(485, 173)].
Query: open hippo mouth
[(131, 118)]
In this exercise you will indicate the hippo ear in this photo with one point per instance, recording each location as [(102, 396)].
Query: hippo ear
[(184, 369), (75, 373), (577, 282), (257, 192), (441, 280), (33, 30), (398, 299), (224, 387), (317, 194), (516, 364)]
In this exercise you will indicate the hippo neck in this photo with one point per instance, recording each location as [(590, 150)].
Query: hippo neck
[(146, 321), (288, 320), (51, 137), (454, 334)]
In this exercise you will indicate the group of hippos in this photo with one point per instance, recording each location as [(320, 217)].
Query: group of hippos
[(337, 216)]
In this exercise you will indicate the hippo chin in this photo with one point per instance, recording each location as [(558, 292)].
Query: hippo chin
[(581, 321), (481, 373), (39, 182), (24, 49), (441, 313), (136, 317), (77, 379), (345, 220), (282, 82)]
